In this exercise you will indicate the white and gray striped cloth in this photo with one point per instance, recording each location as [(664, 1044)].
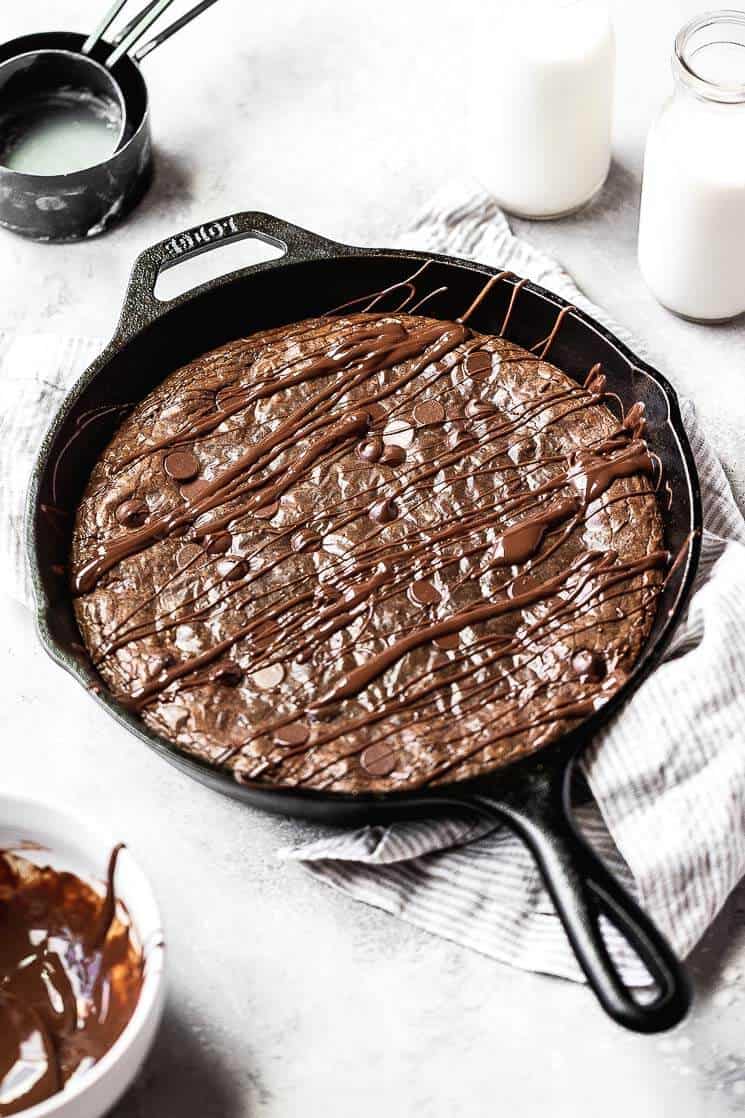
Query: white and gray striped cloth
[(667, 775)]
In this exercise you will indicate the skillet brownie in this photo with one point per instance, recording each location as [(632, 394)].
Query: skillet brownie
[(369, 552)]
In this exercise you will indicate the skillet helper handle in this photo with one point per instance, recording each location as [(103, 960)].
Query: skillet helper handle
[(583, 890), (141, 307)]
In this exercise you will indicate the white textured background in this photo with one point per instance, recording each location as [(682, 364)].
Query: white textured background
[(287, 999)]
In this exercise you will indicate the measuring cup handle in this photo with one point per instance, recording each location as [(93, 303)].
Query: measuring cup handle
[(141, 306)]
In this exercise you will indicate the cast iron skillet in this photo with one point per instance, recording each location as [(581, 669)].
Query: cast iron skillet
[(313, 275)]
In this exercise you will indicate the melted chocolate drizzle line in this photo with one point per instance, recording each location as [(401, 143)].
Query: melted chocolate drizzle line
[(397, 698), (430, 344), (517, 544), (426, 298), (108, 908), (374, 297), (361, 677), (511, 306), (584, 569), (545, 345), (490, 283)]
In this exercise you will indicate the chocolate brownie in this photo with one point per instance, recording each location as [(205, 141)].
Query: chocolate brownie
[(369, 552)]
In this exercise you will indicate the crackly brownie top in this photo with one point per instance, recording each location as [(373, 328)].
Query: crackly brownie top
[(369, 551)]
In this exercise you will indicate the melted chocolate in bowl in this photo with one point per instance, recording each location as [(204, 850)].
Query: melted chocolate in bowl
[(369, 551), (70, 978)]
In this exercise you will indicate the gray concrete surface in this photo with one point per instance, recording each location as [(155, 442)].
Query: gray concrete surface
[(287, 999)]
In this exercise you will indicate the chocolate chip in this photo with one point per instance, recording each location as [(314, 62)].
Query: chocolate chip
[(376, 412), (304, 539), (428, 412), (234, 571), (266, 512), (370, 450), (393, 455), (218, 544), (187, 554), (521, 585), (296, 733), (423, 593), (132, 513), (193, 490), (478, 363), (228, 673), (181, 465), (384, 511), (589, 664), (379, 759)]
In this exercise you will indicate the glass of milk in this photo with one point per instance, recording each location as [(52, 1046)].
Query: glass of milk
[(549, 102), (692, 218)]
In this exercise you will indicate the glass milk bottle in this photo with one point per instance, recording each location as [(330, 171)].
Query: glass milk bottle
[(547, 107), (692, 218)]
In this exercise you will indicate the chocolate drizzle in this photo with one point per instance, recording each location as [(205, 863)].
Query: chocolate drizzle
[(415, 547)]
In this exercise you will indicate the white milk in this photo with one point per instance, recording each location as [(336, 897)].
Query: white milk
[(692, 219), (59, 132), (547, 105)]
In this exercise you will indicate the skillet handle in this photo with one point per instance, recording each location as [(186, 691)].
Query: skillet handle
[(141, 307), (583, 890)]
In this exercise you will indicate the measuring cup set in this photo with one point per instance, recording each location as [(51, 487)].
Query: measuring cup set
[(75, 144)]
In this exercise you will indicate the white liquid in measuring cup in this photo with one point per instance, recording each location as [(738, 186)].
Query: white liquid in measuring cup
[(692, 218), (59, 133), (547, 106)]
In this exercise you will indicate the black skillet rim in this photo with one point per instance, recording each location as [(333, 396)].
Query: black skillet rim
[(282, 797)]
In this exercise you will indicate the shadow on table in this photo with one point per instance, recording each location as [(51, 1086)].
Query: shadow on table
[(171, 189), (185, 1075), (619, 193), (724, 941)]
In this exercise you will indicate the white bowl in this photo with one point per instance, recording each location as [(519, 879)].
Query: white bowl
[(69, 844)]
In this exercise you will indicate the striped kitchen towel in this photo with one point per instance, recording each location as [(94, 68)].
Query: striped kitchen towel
[(667, 775), (36, 370)]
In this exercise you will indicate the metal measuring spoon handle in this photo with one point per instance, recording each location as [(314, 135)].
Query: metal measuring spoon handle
[(151, 13), (172, 28), (103, 26)]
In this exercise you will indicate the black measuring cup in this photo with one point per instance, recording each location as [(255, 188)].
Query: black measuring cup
[(59, 68)]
